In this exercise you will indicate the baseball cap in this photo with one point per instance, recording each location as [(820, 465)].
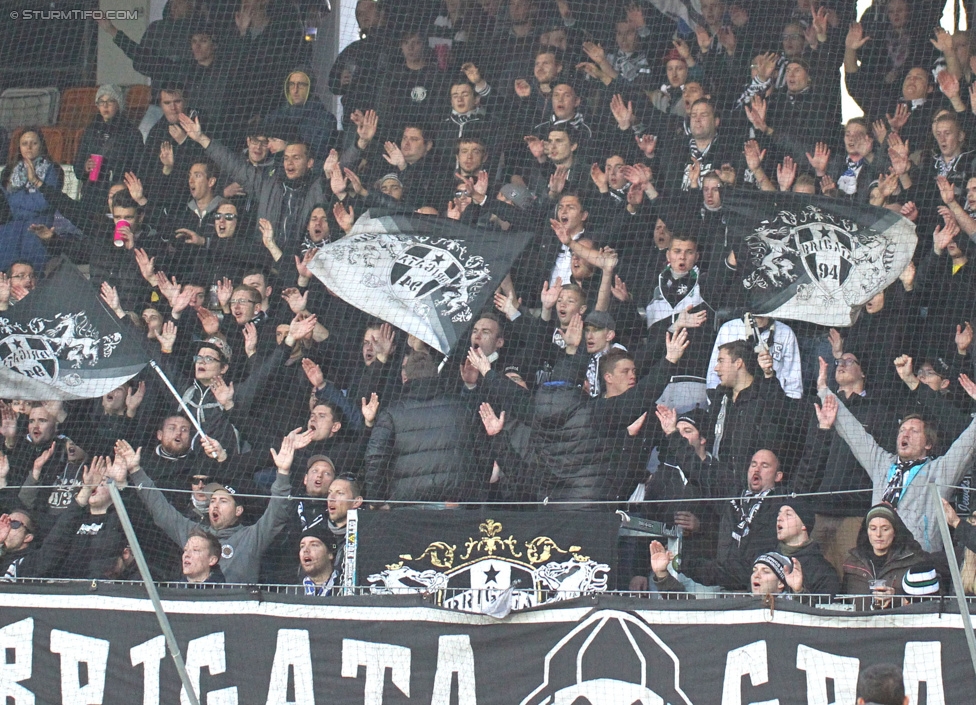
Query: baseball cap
[(599, 319), (316, 458), (217, 487), (520, 196)]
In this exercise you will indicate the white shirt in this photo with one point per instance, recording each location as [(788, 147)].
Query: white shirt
[(564, 266), (783, 348)]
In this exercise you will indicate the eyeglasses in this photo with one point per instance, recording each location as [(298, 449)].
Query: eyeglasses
[(225, 216), (846, 362), (104, 101), (199, 480), (205, 359), (259, 140), (29, 276), (17, 524), (241, 302), (926, 372), (792, 36)]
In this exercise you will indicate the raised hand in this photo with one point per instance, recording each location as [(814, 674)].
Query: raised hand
[(964, 338), (523, 89), (827, 185), (948, 84), (786, 173), (167, 337), (301, 263), (133, 399), (822, 374), (765, 361), (668, 418), (756, 112), (313, 372), (827, 413), (479, 361), (370, 409), (301, 328), (41, 460), (250, 333), (223, 392), (110, 295), (166, 157), (493, 424), (794, 578), (694, 173), (337, 182), (472, 73), (366, 128), (574, 332), (836, 343), (129, 459), (754, 155), (208, 320), (599, 178), (357, 184), (946, 190), (557, 182), (536, 146), (619, 290), (942, 42), (383, 345), (623, 113), (550, 294), (191, 127), (394, 156), (660, 559), (284, 457), (507, 304), (855, 38), (647, 144), (344, 217), (968, 385), (818, 160), (899, 119), (943, 235), (675, 345), (704, 38), (296, 300)]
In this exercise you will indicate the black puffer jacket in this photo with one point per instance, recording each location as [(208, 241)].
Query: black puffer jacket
[(423, 448), (571, 456)]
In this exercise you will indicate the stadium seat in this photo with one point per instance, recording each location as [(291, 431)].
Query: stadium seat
[(77, 107), (28, 106), (137, 99)]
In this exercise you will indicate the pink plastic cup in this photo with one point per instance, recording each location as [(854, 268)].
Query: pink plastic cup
[(96, 168)]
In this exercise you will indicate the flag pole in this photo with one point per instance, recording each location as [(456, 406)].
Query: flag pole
[(176, 395)]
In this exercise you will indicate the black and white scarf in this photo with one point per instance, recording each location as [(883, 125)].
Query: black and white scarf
[(746, 512), (18, 176)]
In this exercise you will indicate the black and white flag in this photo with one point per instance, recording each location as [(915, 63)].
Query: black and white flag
[(814, 259), (61, 342), (425, 275)]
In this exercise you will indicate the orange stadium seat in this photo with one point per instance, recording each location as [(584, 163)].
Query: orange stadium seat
[(137, 99)]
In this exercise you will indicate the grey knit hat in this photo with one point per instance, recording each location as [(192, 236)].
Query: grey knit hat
[(112, 91)]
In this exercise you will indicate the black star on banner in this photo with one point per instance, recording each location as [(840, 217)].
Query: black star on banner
[(491, 574)]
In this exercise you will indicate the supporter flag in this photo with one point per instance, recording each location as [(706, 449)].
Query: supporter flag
[(61, 342), (427, 276), (687, 11), (814, 259)]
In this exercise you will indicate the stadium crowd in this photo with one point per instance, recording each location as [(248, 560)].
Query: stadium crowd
[(608, 372)]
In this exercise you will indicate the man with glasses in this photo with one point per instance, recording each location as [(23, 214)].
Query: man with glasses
[(18, 281), (191, 225)]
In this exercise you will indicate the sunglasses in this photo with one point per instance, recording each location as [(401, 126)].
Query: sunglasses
[(225, 216), (17, 524)]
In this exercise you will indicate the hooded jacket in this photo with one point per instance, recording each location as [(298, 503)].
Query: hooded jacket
[(242, 546), (916, 506), (311, 118), (904, 553)]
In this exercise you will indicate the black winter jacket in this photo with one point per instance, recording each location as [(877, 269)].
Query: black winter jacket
[(422, 448)]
